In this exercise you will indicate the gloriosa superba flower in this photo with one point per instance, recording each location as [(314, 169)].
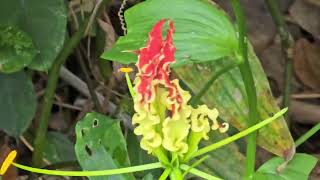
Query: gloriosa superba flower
[(163, 116)]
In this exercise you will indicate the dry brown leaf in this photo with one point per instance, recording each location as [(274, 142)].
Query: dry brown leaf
[(107, 27), (306, 14), (261, 29), (307, 63), (12, 171), (305, 113), (273, 64), (314, 2), (82, 5)]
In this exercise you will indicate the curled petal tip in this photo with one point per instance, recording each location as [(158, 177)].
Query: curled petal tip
[(224, 127), (7, 162), (125, 70)]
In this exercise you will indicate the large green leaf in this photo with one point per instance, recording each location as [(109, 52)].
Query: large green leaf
[(58, 148), (44, 21), (100, 145), (298, 168), (16, 49), (203, 31), (228, 95), (18, 103)]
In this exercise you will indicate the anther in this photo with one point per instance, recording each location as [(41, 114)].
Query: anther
[(7, 162), (125, 70)]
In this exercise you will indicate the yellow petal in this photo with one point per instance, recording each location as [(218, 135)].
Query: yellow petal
[(151, 143), (175, 132)]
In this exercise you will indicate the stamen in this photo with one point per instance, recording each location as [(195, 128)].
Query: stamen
[(90, 173), (125, 70), (129, 83), (7, 162)]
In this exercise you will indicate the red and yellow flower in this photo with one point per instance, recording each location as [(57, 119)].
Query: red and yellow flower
[(163, 117)]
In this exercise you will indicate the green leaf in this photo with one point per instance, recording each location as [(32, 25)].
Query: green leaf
[(16, 49), (18, 103), (223, 159), (58, 148), (203, 31), (228, 95), (298, 168), (139, 156), (149, 176), (100, 145), (44, 21)]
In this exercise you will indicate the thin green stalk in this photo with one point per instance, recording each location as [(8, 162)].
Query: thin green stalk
[(286, 44), (90, 173), (130, 86), (198, 172), (307, 135), (247, 77), (238, 135), (195, 164), (195, 99), (41, 131), (165, 174)]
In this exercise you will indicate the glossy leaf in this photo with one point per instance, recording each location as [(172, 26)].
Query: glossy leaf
[(16, 49), (100, 145), (228, 95), (298, 168), (44, 21), (203, 31), (18, 103), (58, 148)]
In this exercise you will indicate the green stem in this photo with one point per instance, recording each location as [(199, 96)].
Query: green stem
[(91, 173), (239, 135), (165, 174), (195, 164), (195, 99), (50, 89), (130, 87), (198, 172), (248, 79), (307, 135), (286, 44)]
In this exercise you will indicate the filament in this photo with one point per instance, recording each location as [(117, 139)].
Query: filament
[(90, 173)]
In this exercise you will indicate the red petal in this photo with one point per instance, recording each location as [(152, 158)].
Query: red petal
[(154, 64)]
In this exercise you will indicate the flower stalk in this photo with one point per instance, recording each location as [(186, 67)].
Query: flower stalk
[(248, 80)]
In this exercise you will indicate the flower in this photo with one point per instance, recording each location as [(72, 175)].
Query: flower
[(162, 115)]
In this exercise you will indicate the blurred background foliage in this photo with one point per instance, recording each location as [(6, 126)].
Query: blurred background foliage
[(36, 34)]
